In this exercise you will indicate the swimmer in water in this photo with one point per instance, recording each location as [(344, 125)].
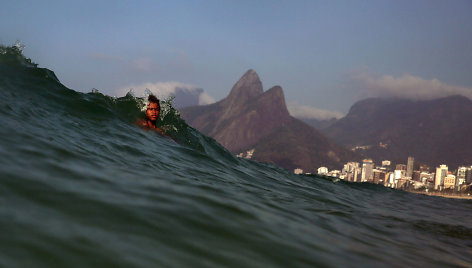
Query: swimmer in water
[(152, 114)]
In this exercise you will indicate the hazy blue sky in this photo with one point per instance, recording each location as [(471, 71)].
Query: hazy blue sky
[(324, 54)]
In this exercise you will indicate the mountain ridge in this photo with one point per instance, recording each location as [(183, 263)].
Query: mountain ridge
[(248, 116), (433, 131)]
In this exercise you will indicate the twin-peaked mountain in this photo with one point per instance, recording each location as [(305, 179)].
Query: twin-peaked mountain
[(434, 132), (249, 118)]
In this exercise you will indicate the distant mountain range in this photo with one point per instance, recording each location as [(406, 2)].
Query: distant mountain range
[(249, 118), (434, 132)]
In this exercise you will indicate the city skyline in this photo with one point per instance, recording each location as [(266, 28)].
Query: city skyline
[(399, 177)]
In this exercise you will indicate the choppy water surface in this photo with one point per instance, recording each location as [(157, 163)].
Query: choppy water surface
[(80, 186)]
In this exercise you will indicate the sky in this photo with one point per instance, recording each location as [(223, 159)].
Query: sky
[(326, 55)]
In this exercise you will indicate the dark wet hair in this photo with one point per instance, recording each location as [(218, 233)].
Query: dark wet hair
[(153, 98)]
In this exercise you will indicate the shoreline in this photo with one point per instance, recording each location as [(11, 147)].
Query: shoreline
[(467, 197)]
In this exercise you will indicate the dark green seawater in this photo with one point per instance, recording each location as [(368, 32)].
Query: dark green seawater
[(81, 186)]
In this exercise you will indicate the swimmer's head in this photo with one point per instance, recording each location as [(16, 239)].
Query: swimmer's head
[(153, 108)]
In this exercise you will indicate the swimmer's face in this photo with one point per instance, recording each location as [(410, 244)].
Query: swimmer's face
[(152, 111)]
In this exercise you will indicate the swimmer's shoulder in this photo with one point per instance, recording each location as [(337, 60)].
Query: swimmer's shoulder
[(141, 123)]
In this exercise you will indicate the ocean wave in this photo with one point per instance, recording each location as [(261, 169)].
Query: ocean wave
[(81, 185)]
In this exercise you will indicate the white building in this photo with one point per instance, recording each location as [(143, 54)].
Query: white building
[(397, 175), (461, 176), (449, 181), (335, 173), (351, 171), (367, 170), (323, 171), (249, 154), (350, 167), (298, 171), (441, 173)]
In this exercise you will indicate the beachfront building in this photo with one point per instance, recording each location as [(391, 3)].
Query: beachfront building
[(378, 176), (322, 171), (387, 178), (353, 176), (449, 181), (468, 175), (397, 176), (461, 177), (335, 173), (391, 180), (351, 171), (427, 178), (441, 173), (409, 167), (249, 154), (402, 168), (404, 182), (367, 168), (298, 171)]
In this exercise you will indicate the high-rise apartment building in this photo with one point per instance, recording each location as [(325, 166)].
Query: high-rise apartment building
[(351, 171), (388, 179), (378, 176), (397, 176), (461, 176), (350, 167), (441, 173), (409, 167), (367, 167), (468, 175)]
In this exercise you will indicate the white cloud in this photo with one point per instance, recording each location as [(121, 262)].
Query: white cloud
[(186, 94), (160, 89), (310, 112), (205, 99), (409, 87)]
